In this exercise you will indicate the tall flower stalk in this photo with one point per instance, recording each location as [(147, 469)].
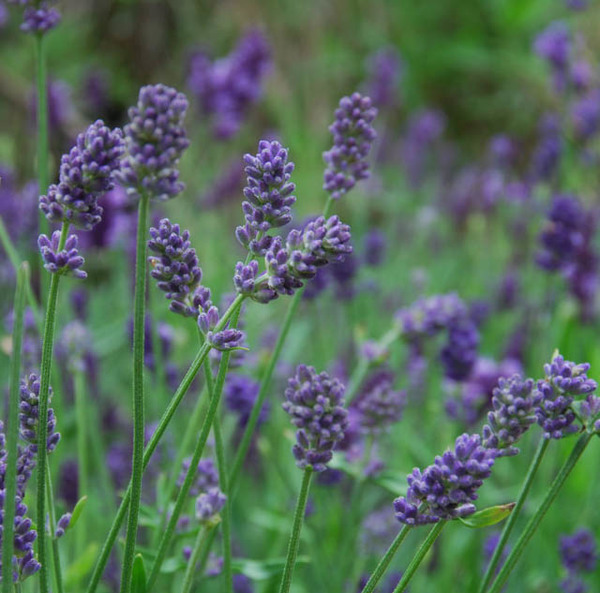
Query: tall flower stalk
[(155, 140), (12, 433)]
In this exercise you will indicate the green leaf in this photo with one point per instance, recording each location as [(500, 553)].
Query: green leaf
[(138, 576), (77, 511), (489, 516)]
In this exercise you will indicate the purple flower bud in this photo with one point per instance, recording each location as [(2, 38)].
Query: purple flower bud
[(228, 339), (209, 504), (447, 488), (379, 404), (29, 393), (86, 173), (353, 136), (316, 406), (579, 552), (564, 381), (40, 19), (155, 139), (514, 404), (206, 478), (62, 525), (67, 262)]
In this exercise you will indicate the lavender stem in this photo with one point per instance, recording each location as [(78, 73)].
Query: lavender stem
[(139, 316), (294, 545), (512, 518), (542, 509), (45, 371)]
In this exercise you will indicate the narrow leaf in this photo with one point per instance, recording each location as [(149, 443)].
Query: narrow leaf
[(487, 517), (138, 576)]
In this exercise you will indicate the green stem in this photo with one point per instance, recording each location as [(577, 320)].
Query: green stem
[(46, 370), (418, 557), (13, 257), (328, 206), (222, 467), (42, 123), (52, 516), (12, 431), (386, 560), (82, 449), (294, 545), (197, 454), (512, 518), (156, 437), (265, 383), (197, 552), (138, 395), (535, 521)]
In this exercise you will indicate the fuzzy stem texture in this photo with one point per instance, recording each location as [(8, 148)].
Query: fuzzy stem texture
[(42, 452), (386, 560), (537, 518), (512, 518), (82, 450), (12, 432), (139, 314), (222, 468), (294, 545), (52, 521), (42, 122), (418, 557)]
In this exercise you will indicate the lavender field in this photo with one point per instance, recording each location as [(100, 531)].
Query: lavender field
[(299, 296)]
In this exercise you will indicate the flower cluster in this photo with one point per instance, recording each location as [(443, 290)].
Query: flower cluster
[(429, 316), (226, 88), (66, 261), (268, 195), (578, 554), (86, 173), (38, 17), (205, 489), (378, 403), (29, 393), (514, 403), (175, 266), (555, 45), (564, 381), (316, 406), (385, 71), (446, 489), (567, 243), (240, 393), (353, 135), (154, 140), (287, 266)]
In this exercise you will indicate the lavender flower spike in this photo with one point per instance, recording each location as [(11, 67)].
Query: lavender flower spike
[(316, 406), (209, 504), (155, 140), (29, 414), (175, 266), (564, 381), (86, 173), (353, 136), (67, 261), (448, 487), (514, 404), (40, 19)]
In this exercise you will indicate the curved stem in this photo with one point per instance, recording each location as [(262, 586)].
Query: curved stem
[(265, 383), (294, 545), (42, 452), (191, 473), (200, 544), (165, 420), (12, 432), (535, 521), (512, 518), (226, 511), (385, 561), (139, 317), (418, 557), (52, 517)]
